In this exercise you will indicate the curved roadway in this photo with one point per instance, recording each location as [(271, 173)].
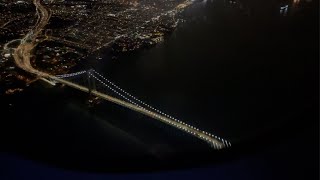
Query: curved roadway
[(22, 53)]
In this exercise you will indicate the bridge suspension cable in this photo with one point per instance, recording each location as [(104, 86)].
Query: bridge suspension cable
[(70, 75), (127, 96), (216, 145)]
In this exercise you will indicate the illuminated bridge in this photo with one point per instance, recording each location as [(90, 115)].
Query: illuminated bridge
[(94, 83)]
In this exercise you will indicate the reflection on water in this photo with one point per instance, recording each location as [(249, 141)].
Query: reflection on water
[(238, 69)]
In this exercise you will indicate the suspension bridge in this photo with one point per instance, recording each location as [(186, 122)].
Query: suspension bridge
[(96, 84)]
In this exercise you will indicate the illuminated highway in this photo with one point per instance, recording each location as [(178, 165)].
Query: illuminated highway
[(22, 53)]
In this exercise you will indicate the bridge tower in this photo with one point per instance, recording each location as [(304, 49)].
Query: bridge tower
[(91, 81)]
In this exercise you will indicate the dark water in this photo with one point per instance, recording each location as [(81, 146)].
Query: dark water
[(243, 70)]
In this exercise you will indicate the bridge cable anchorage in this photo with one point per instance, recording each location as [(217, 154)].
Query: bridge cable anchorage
[(70, 75), (225, 142)]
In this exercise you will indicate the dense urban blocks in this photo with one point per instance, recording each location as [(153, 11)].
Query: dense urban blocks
[(76, 29)]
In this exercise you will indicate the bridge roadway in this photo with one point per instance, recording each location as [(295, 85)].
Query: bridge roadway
[(22, 55), (218, 144)]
